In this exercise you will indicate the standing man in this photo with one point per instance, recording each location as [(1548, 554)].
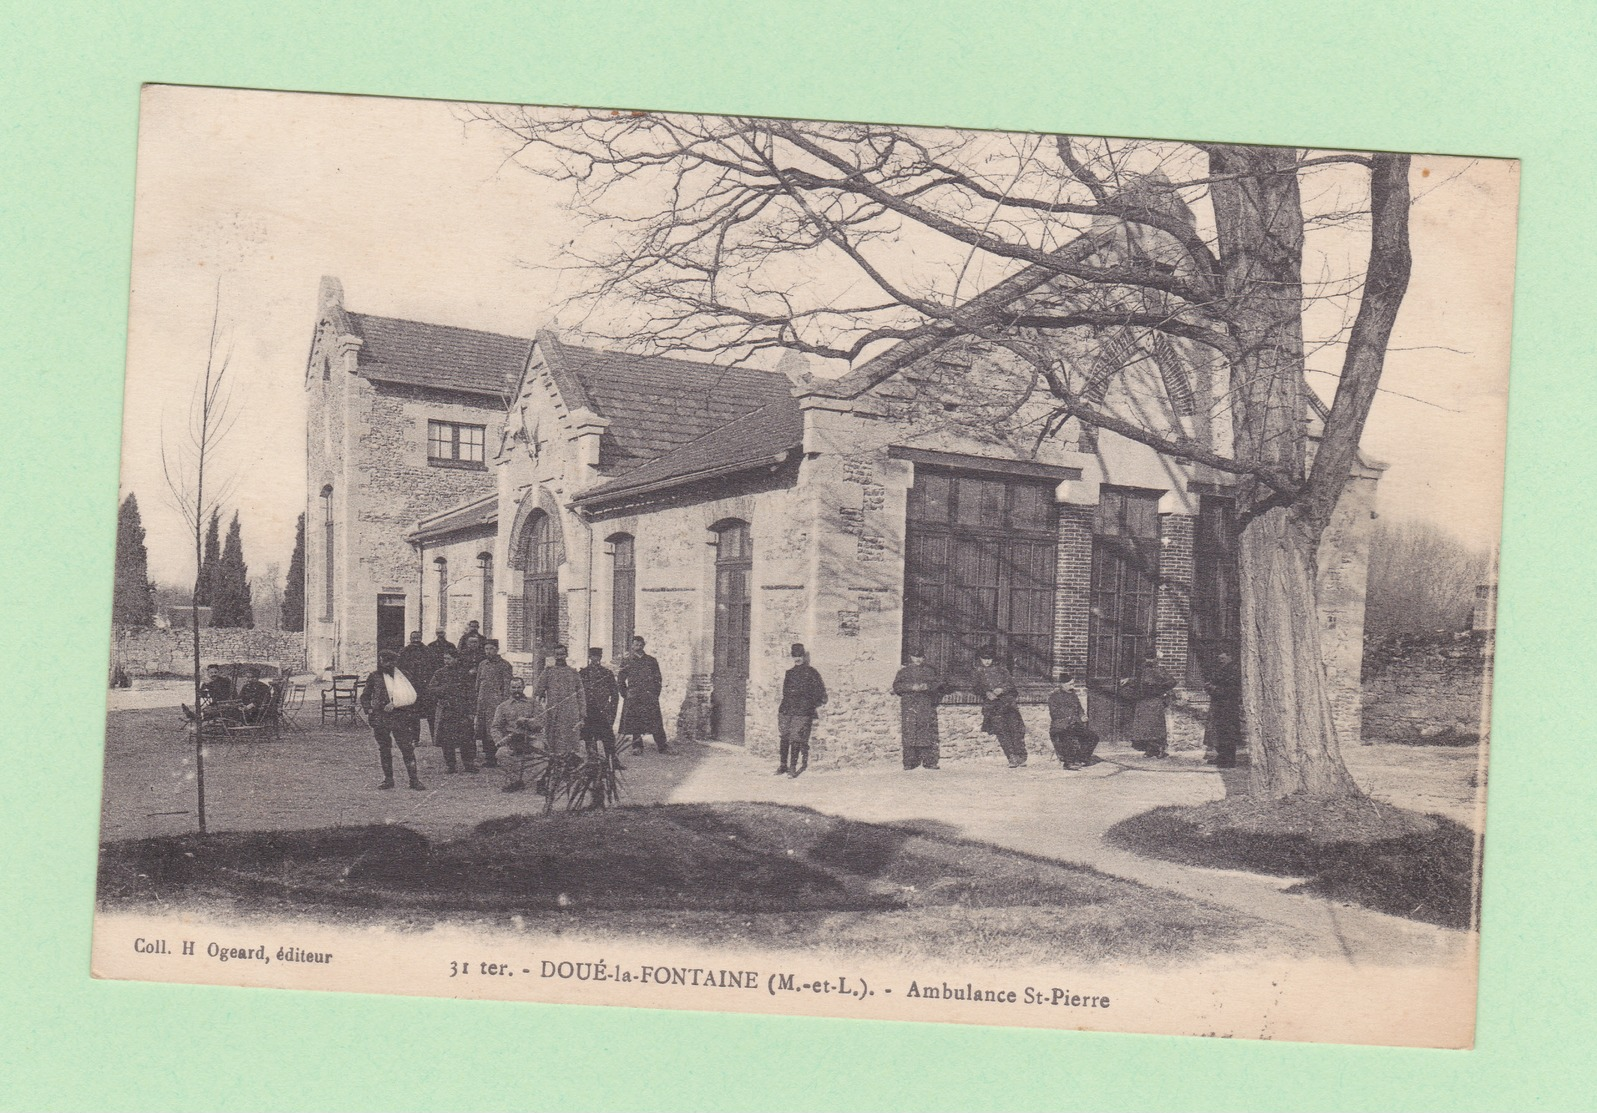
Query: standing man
[(559, 690), (390, 724), (600, 695), (456, 707), (471, 644), (1000, 713), (495, 681), (440, 643), (420, 664), (803, 693), (919, 688), (640, 685), (1224, 729), (1150, 688)]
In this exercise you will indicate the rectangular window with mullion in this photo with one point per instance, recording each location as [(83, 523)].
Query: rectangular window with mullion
[(979, 571), (451, 442)]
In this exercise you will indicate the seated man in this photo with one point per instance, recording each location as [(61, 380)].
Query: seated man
[(517, 726), (217, 687), (255, 696)]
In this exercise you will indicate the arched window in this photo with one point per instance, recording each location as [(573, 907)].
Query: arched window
[(623, 595), (542, 555), (485, 565), (327, 552), (442, 566)]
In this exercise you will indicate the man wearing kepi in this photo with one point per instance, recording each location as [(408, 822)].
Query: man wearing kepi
[(559, 691), (600, 695), (495, 679), (640, 685), (803, 693), (919, 688), (390, 722), (1000, 713), (455, 706)]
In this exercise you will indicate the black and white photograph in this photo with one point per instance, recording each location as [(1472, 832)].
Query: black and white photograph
[(615, 556)]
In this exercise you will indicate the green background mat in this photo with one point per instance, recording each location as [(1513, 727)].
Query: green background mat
[(1498, 79)]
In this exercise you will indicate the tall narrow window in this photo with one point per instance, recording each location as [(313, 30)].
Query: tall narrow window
[(485, 564), (542, 556), (327, 553), (1216, 614), (442, 566), (623, 595), (979, 571)]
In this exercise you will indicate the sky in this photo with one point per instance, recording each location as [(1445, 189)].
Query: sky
[(245, 199)]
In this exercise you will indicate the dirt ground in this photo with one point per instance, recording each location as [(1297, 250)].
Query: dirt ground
[(325, 776)]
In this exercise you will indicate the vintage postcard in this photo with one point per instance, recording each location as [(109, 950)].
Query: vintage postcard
[(620, 557)]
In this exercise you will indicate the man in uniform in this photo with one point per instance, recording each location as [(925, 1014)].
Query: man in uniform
[(517, 722), (640, 683), (919, 688), (254, 695), (1150, 689), (1000, 712), (390, 724), (456, 706), (600, 695), (495, 681), (559, 692), (1224, 729), (803, 693)]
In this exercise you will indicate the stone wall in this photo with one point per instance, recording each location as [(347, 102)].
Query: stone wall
[(147, 651), (1431, 691)]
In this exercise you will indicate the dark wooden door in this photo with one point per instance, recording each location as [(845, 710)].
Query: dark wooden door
[(541, 588), (390, 622), (729, 682), (1121, 625)]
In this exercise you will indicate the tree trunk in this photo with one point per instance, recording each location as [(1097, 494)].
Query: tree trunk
[(1286, 710)]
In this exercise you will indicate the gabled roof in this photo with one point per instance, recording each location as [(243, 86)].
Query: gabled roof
[(655, 404), (756, 439), (440, 356), (480, 513)]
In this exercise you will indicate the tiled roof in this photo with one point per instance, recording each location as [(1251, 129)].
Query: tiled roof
[(655, 404), (399, 351), (480, 512), (750, 441)]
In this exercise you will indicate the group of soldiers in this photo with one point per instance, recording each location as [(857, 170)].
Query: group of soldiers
[(470, 697)]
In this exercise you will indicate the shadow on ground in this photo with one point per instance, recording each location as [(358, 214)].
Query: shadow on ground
[(1421, 867), (760, 873)]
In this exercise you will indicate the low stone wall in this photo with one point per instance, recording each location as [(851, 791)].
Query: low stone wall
[(147, 651), (1429, 691)]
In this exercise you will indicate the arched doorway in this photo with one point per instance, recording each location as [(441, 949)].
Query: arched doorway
[(542, 555)]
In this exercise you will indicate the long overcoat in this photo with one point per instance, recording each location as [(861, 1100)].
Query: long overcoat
[(559, 691), (496, 678), (1150, 688), (640, 684), (919, 689), (1001, 713)]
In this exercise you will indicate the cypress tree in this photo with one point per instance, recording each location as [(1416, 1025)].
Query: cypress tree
[(133, 595), (230, 587), (205, 586), (294, 589)]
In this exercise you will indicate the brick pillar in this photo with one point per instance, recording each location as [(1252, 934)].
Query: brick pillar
[(1073, 588), (1172, 617), (515, 624)]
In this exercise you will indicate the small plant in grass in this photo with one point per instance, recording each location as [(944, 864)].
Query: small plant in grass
[(579, 782)]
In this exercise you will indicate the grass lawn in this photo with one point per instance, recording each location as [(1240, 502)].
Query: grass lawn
[(751, 873), (1391, 859)]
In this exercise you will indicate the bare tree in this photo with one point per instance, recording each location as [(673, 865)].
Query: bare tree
[(884, 245), (197, 496), (1422, 580)]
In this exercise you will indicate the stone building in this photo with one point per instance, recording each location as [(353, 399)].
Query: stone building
[(724, 513), (401, 420)]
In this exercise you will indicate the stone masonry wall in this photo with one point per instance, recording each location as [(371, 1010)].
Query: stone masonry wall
[(147, 651), (1432, 691)]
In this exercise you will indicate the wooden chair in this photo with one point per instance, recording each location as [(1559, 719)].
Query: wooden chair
[(341, 698), (293, 703), (266, 722)]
